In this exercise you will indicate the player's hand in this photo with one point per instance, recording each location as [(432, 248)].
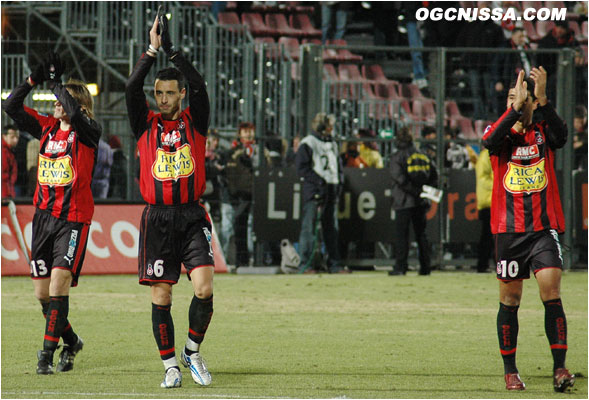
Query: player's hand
[(154, 37), (520, 91), (165, 36), (38, 75), (54, 67), (539, 77)]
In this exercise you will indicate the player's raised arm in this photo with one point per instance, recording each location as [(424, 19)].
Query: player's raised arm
[(198, 98), (556, 132), (137, 107)]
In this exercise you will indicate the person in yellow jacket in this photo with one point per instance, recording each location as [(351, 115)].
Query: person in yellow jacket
[(369, 150), (484, 190)]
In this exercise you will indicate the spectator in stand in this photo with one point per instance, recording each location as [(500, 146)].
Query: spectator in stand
[(33, 147), (242, 159), (118, 172), (350, 156), (457, 155), (409, 9), (507, 65), (214, 166), (10, 136), (275, 146), (292, 151), (580, 138), (369, 150), (507, 25), (561, 37), (101, 177), (330, 11), (482, 34), (484, 190)]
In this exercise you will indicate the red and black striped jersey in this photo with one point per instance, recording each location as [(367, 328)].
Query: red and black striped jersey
[(171, 153), (525, 191), (66, 158)]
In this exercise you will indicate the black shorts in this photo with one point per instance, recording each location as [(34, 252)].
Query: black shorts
[(57, 243), (171, 236), (518, 253)]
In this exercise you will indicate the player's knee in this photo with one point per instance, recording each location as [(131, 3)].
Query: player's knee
[(550, 294), (203, 291)]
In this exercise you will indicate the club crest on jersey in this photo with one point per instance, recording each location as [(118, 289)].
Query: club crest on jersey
[(525, 152), (173, 165), (171, 138), (539, 138), (525, 178), (55, 171), (56, 146), (71, 137)]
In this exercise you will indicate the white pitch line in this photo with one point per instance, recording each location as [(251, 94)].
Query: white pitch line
[(142, 395)]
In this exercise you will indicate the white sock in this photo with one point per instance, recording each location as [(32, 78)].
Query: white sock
[(191, 345), (170, 362)]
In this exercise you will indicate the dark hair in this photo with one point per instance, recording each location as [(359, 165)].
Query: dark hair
[(427, 130), (171, 74), (518, 29), (404, 137), (8, 128), (530, 85), (580, 111)]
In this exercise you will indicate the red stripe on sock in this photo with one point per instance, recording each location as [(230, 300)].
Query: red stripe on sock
[(194, 333), (67, 328), (166, 352), (508, 352), (51, 338), (559, 346)]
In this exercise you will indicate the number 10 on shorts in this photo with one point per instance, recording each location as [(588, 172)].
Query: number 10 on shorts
[(506, 270)]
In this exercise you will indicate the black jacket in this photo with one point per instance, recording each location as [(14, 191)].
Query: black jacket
[(405, 191)]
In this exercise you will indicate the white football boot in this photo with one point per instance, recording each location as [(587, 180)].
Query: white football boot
[(172, 378), (198, 368)]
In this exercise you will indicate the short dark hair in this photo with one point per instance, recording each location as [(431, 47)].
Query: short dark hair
[(404, 136), (518, 29), (8, 128), (530, 85), (171, 74)]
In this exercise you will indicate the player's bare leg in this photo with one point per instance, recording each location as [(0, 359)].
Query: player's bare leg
[(555, 325), (199, 315), (507, 329)]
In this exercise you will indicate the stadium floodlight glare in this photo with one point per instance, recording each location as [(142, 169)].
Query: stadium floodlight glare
[(93, 88), (44, 95), (5, 94)]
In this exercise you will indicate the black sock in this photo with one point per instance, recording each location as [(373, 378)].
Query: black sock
[(199, 317), (68, 335), (555, 324), (55, 321), (507, 329), (163, 330)]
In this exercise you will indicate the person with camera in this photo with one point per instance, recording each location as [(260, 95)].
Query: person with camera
[(63, 200), (321, 170)]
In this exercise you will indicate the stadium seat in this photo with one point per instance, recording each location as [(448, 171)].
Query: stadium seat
[(452, 111), (465, 127), (532, 4), (554, 4), (256, 25), (544, 27), (302, 22), (349, 72), (480, 125), (388, 90), (328, 55), (374, 72), (584, 47), (272, 51), (531, 31), (574, 27), (423, 110), (344, 55), (278, 23), (229, 18), (295, 71), (369, 93), (329, 72), (299, 7), (467, 4), (291, 47), (411, 91), (584, 30)]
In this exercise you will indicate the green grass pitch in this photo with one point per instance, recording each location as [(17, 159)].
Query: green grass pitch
[(365, 335)]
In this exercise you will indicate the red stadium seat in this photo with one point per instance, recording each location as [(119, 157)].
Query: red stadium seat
[(544, 27), (574, 27), (291, 47), (424, 110), (554, 4), (452, 111), (295, 71), (480, 125), (531, 31), (278, 23), (329, 72), (532, 4), (584, 29), (272, 51), (368, 92), (344, 55), (388, 90), (328, 55), (411, 91), (349, 72), (465, 126), (373, 72), (256, 25), (229, 18), (584, 47), (302, 22)]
